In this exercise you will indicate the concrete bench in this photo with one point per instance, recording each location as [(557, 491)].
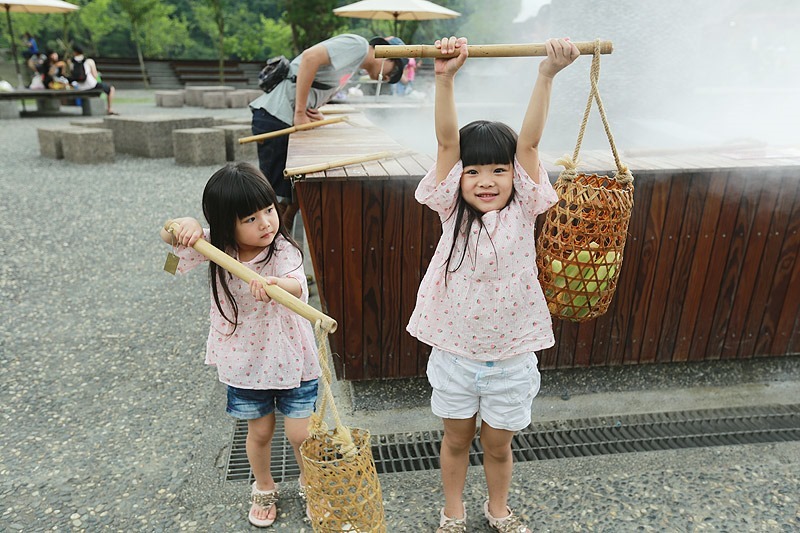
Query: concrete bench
[(194, 93), (245, 120), (237, 99), (170, 98), (150, 135), (50, 144), (199, 146), (235, 151), (88, 145), (48, 101), (214, 100)]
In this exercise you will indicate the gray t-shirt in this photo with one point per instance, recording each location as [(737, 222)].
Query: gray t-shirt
[(347, 52)]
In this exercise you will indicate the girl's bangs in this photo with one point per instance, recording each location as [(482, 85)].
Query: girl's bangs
[(249, 196), (487, 143)]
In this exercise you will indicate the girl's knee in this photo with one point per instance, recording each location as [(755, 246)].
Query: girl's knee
[(457, 441), (296, 430)]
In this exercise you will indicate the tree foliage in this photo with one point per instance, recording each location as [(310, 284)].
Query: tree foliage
[(312, 21), (228, 29)]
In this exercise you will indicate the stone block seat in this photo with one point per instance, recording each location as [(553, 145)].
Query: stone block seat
[(170, 98), (88, 145), (214, 100), (238, 99), (150, 135), (199, 146), (235, 151), (50, 141), (194, 93)]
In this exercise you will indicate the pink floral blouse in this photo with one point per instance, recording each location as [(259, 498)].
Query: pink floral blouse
[(273, 347), (492, 307)]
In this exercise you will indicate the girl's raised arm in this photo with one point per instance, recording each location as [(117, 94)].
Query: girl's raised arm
[(448, 152), (560, 53)]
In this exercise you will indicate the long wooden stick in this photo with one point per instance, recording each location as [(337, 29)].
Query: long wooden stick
[(319, 167), (483, 50), (292, 129), (245, 274)]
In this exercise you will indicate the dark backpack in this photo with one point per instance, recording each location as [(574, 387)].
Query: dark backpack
[(78, 70), (276, 70)]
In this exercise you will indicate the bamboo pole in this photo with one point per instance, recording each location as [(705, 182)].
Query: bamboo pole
[(319, 167), (245, 274), (292, 129), (483, 50)]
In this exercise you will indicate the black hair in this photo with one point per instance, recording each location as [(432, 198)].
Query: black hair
[(77, 50), (232, 193), (481, 142)]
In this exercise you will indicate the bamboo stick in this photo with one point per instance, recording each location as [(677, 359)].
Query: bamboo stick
[(245, 274), (319, 167), (292, 129), (483, 50)]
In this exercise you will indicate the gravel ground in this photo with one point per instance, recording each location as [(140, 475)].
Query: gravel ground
[(111, 421)]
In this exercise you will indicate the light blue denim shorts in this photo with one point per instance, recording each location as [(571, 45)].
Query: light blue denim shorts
[(249, 404), (501, 391)]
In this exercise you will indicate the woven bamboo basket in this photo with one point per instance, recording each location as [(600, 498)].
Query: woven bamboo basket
[(580, 247), (342, 486)]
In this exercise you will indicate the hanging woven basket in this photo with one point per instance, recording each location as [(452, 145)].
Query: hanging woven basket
[(580, 247), (342, 486)]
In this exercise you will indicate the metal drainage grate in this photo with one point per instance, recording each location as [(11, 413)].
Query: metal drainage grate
[(283, 465), (408, 452)]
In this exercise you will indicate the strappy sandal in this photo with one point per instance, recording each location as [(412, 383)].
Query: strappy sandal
[(507, 524), (264, 499), (452, 525)]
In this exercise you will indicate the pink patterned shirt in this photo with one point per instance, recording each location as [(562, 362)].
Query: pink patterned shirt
[(492, 307), (273, 347)]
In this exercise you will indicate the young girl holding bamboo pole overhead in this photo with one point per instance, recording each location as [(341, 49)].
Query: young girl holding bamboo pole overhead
[(265, 353), (480, 305)]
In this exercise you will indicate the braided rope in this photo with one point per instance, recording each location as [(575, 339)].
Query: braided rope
[(623, 174), (317, 427)]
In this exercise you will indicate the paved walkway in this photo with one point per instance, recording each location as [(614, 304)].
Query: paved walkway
[(110, 420)]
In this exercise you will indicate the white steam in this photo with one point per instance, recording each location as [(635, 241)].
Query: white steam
[(684, 74)]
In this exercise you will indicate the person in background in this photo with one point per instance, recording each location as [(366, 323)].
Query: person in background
[(85, 76), (480, 305), (52, 71), (406, 85), (31, 48), (315, 76)]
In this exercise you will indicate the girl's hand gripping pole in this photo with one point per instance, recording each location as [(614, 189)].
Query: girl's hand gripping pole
[(245, 274)]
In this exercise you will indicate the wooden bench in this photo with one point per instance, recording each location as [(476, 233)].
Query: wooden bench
[(88, 103)]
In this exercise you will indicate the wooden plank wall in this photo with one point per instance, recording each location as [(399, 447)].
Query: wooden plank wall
[(710, 271)]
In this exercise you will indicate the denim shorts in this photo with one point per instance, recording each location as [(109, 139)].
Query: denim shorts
[(501, 391), (249, 404)]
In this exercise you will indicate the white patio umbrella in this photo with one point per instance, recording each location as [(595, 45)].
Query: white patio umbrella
[(30, 6), (395, 10)]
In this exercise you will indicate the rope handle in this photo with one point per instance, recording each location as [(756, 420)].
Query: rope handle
[(623, 174), (317, 427)]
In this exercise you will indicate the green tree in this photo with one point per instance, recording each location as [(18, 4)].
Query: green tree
[(258, 42), (312, 21), (210, 18), (153, 29), (98, 20)]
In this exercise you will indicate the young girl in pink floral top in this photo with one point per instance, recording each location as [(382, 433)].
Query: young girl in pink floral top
[(480, 305), (264, 353)]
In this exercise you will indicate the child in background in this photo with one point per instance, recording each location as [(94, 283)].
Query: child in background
[(265, 353), (480, 305)]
